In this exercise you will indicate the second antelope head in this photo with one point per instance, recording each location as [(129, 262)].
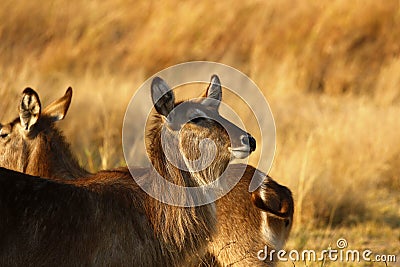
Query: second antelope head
[(32, 144)]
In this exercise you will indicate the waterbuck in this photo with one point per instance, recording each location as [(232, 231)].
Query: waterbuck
[(236, 244), (238, 236), (105, 218), (245, 227), (32, 144)]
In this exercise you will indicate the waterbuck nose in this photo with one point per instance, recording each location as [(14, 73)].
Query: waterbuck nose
[(248, 140)]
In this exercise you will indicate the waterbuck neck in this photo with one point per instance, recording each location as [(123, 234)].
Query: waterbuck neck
[(50, 156)]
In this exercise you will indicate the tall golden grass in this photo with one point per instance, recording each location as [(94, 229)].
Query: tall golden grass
[(330, 70)]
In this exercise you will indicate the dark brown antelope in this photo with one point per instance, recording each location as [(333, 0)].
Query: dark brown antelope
[(230, 244), (245, 227), (32, 144), (106, 219)]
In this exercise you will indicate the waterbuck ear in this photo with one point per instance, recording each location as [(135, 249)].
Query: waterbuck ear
[(274, 198), (57, 110), (162, 96), (29, 108), (213, 94)]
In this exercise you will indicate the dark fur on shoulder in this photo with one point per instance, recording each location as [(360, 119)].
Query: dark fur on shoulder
[(97, 221)]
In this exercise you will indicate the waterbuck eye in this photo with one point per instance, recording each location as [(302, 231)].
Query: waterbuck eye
[(197, 119), (196, 116), (4, 132)]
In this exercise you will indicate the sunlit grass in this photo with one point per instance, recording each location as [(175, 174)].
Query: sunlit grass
[(330, 70)]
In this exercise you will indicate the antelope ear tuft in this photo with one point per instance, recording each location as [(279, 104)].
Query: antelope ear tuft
[(162, 96), (59, 108), (274, 198), (29, 109), (213, 95)]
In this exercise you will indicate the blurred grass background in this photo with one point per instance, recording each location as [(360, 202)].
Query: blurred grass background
[(329, 69)]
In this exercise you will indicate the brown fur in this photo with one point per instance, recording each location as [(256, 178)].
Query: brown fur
[(106, 219), (245, 227), (32, 144), (102, 220)]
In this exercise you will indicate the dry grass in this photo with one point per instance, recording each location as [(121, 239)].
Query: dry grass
[(330, 70)]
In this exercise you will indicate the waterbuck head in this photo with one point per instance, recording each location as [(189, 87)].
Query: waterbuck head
[(32, 144), (194, 136)]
